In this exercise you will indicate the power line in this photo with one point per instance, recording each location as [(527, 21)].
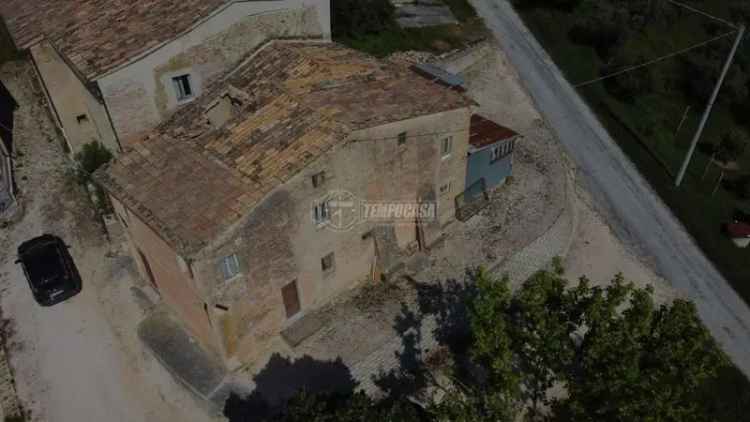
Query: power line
[(657, 60), (700, 12)]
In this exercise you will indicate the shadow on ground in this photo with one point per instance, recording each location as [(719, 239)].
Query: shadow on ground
[(434, 332), (281, 379)]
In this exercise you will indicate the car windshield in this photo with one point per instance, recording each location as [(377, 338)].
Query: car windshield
[(44, 264)]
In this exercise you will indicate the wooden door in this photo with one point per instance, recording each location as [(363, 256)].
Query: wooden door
[(291, 299)]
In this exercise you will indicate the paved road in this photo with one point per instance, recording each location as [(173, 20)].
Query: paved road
[(640, 216)]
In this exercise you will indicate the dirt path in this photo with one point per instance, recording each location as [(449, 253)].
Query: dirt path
[(71, 362)]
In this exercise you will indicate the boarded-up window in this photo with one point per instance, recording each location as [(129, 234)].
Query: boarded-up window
[(318, 179), (327, 262), (291, 299)]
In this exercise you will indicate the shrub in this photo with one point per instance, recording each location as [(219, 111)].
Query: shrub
[(91, 157), (731, 147), (355, 18), (602, 35), (629, 85)]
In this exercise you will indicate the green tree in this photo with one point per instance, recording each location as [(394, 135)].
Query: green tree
[(617, 354), (354, 18), (629, 85), (636, 361), (731, 146), (92, 156)]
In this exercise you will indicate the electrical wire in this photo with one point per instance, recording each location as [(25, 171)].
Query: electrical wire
[(700, 12), (656, 60)]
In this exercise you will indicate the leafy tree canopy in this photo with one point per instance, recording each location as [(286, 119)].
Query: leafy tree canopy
[(615, 353)]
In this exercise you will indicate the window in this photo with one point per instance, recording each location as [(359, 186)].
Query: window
[(182, 87), (318, 179), (446, 188), (230, 266), (321, 213), (82, 118), (447, 147), (502, 150), (402, 138), (327, 263)]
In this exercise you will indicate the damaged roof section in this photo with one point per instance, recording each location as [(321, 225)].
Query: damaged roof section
[(99, 35), (293, 101)]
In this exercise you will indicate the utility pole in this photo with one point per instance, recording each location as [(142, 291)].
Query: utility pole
[(711, 102)]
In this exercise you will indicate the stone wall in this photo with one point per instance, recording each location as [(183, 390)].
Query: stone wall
[(279, 243), (140, 94), (80, 115), (172, 278)]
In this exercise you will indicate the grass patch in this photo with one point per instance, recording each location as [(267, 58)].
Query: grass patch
[(646, 130), (462, 9), (436, 39)]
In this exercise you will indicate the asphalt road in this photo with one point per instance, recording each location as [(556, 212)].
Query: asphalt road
[(636, 212)]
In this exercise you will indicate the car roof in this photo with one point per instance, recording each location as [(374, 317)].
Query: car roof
[(43, 240)]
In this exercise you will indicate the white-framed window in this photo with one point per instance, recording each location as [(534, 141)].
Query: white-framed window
[(229, 266), (446, 188), (446, 147), (502, 150), (327, 263), (321, 213), (182, 87)]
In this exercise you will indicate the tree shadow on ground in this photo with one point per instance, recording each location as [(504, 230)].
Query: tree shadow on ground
[(281, 379), (440, 312)]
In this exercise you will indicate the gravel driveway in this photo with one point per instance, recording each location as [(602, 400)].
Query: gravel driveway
[(637, 213)]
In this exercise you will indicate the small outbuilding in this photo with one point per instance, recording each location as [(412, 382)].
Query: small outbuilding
[(490, 156)]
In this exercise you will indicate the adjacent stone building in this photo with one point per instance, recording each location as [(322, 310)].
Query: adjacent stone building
[(304, 171), (7, 182), (114, 69)]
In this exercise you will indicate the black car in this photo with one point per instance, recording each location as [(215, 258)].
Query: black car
[(52, 274)]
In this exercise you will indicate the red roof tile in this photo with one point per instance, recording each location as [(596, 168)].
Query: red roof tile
[(485, 132), (99, 35), (191, 181)]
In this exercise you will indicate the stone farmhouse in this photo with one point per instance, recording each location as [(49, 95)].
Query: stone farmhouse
[(244, 209), (114, 69)]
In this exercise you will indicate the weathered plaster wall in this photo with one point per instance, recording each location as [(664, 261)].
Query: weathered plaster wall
[(174, 283), (72, 99), (279, 242), (140, 94)]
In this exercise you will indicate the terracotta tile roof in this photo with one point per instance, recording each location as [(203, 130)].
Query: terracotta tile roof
[(485, 132), (99, 35), (190, 181)]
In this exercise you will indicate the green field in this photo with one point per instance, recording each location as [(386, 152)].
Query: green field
[(645, 127)]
